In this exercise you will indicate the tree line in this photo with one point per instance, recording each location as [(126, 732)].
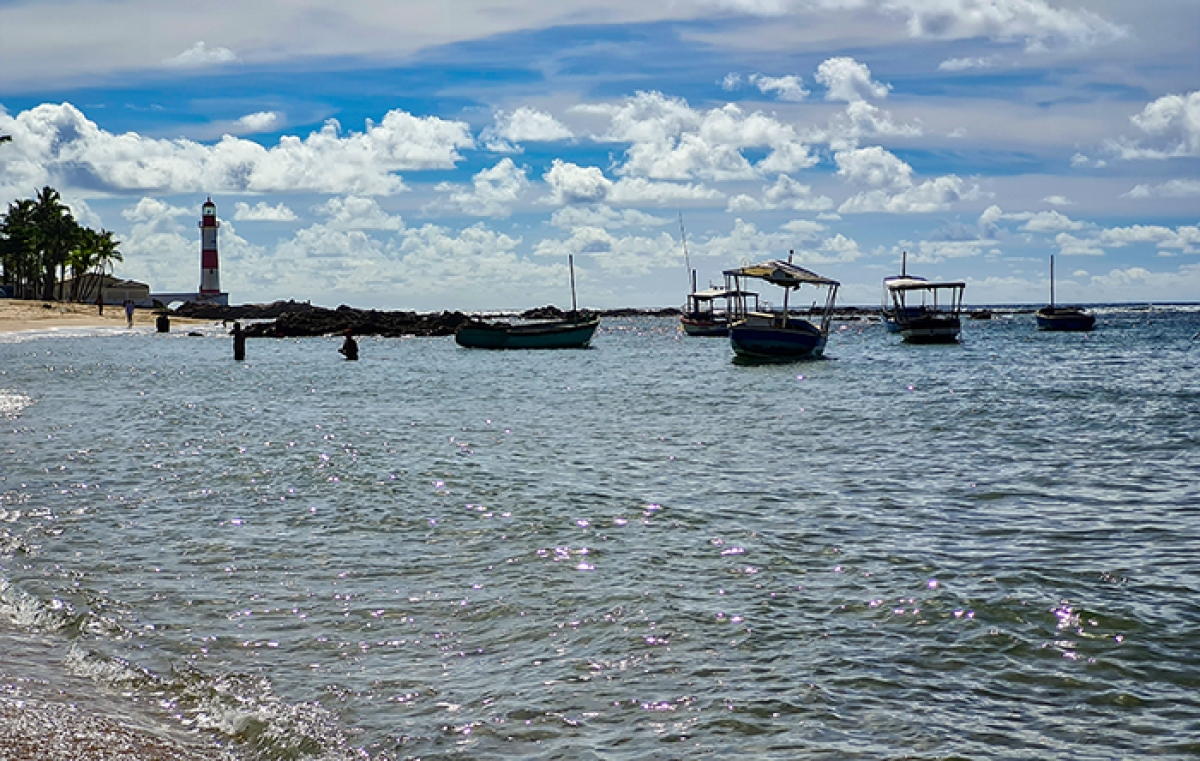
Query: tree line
[(41, 244)]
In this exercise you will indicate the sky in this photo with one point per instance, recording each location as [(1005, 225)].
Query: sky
[(455, 155)]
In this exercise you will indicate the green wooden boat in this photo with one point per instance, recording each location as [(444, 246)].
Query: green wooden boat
[(546, 334)]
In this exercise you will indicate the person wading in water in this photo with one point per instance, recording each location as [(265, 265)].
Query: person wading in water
[(239, 341), (349, 348)]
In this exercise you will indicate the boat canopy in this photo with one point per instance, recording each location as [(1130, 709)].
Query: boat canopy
[(711, 294), (782, 274), (909, 283)]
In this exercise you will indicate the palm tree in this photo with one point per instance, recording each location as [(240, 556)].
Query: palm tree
[(57, 234), (19, 247), (95, 253)]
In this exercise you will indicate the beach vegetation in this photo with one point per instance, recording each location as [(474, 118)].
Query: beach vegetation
[(41, 242)]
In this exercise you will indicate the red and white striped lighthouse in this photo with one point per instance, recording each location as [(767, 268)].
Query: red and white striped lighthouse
[(210, 277)]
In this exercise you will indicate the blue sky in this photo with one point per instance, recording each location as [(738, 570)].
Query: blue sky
[(452, 155)]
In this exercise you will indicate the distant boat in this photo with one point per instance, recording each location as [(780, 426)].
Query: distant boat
[(707, 312), (921, 311), (574, 331), (778, 336), (1059, 318)]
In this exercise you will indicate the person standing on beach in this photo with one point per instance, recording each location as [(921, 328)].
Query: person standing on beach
[(129, 313), (100, 305), (239, 342), (349, 348)]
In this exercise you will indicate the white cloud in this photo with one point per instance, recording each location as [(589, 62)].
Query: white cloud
[(200, 55), (1169, 189), (523, 125), (1058, 201), (626, 255), (1069, 245), (605, 217), (1172, 128), (630, 191), (790, 87), (847, 79), (572, 184), (357, 213), (60, 146), (891, 187), (937, 251), (731, 81), (154, 210), (263, 121), (963, 64), (1035, 21), (860, 121), (669, 140), (263, 212), (746, 243), (1051, 221), (786, 193), (493, 191), (1186, 238)]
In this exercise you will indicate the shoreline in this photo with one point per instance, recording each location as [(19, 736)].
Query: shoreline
[(20, 315)]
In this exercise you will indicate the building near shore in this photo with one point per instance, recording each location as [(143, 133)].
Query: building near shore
[(113, 290)]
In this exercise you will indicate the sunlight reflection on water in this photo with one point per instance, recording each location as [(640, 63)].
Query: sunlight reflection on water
[(435, 552)]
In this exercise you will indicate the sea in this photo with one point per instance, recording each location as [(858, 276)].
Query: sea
[(642, 550)]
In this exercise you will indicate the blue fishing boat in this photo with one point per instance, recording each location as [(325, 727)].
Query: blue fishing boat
[(1073, 319), (779, 336)]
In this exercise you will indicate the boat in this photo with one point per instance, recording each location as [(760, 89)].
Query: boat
[(707, 312), (921, 311), (573, 331), (1053, 317), (758, 335)]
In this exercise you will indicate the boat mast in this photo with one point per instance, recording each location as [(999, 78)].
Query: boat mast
[(687, 260), (903, 264), (1051, 281), (571, 265)]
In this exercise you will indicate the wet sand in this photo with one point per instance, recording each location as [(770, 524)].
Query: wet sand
[(19, 315)]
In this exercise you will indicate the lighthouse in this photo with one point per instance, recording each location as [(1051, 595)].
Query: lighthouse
[(210, 276)]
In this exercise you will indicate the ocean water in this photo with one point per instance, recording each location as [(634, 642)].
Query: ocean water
[(641, 550)]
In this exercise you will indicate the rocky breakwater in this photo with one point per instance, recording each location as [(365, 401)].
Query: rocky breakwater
[(289, 319)]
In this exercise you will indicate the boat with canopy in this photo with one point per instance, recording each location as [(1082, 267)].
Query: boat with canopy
[(756, 334)]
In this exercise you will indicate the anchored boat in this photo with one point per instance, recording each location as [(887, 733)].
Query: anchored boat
[(778, 336), (921, 311), (1053, 317), (574, 331)]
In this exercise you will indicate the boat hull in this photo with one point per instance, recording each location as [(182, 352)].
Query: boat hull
[(924, 328), (1065, 319), (704, 328), (549, 335), (931, 331), (799, 340)]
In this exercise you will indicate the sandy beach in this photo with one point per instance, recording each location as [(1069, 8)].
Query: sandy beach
[(19, 315)]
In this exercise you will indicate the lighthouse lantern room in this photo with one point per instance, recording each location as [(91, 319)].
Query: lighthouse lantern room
[(210, 278)]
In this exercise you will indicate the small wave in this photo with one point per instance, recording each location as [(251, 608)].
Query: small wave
[(12, 402)]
